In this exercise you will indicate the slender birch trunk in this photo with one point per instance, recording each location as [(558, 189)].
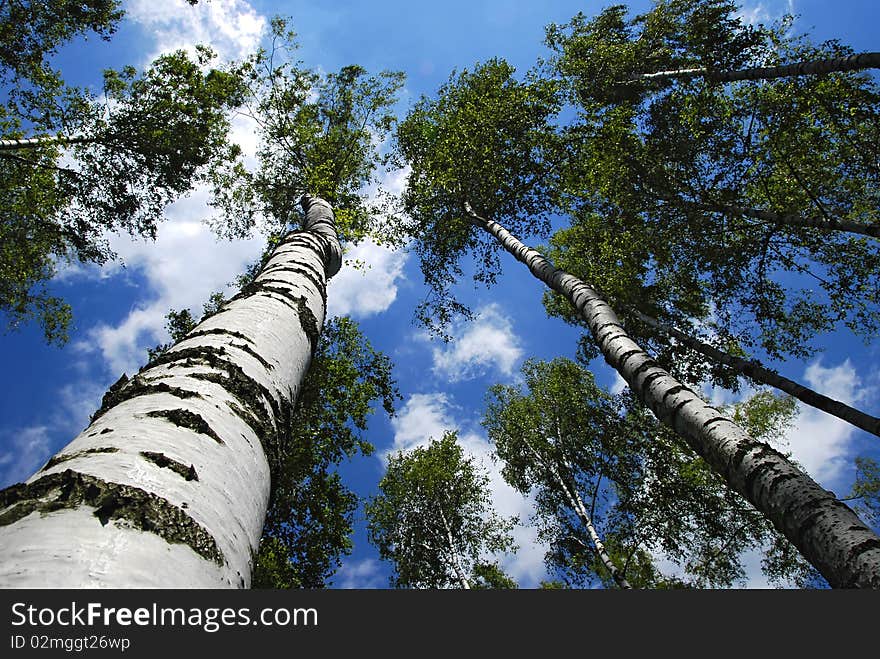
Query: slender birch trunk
[(577, 505), (827, 532), (813, 67), (755, 370), (456, 558), (13, 144), (169, 484), (787, 219)]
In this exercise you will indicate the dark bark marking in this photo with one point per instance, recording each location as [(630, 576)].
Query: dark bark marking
[(137, 386), (112, 501), (64, 457), (162, 460), (187, 419)]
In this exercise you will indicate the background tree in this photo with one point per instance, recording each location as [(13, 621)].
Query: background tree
[(615, 489), (124, 160), (432, 518)]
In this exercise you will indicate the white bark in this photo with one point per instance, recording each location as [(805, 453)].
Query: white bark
[(577, 505), (828, 533), (453, 553), (828, 224), (753, 369), (12, 144), (813, 67), (185, 445)]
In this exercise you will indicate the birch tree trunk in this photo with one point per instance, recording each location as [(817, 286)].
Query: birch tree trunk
[(577, 505), (13, 144), (827, 532), (169, 484), (830, 224), (814, 67), (753, 369)]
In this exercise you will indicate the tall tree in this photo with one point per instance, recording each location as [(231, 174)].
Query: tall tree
[(432, 518), (806, 513), (614, 488), (176, 462)]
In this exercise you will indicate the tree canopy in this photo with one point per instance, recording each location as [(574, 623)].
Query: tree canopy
[(433, 519)]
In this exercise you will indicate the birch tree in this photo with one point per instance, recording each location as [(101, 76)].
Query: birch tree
[(432, 518), (154, 137), (614, 489), (168, 486), (809, 516)]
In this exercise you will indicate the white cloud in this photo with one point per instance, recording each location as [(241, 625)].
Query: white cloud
[(367, 283), (819, 441), (753, 13), (427, 416), (366, 573), (488, 342), (183, 267), (233, 28), (28, 449)]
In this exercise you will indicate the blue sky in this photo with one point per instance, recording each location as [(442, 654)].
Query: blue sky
[(49, 393)]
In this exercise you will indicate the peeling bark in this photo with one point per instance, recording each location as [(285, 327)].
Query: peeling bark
[(827, 532), (168, 486)]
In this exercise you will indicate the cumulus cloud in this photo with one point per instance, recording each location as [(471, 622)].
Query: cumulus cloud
[(368, 282), (768, 11), (233, 28), (428, 416), (819, 441), (182, 267), (366, 573), (488, 342)]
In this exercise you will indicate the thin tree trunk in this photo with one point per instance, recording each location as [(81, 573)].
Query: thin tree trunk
[(813, 67), (829, 535), (577, 505), (13, 144), (830, 224), (753, 369), (456, 559), (168, 485)]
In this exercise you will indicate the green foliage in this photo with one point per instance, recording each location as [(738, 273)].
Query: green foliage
[(560, 437), (432, 518), (489, 576), (666, 164), (320, 133), (603, 56), (151, 142), (485, 140), (33, 30)]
